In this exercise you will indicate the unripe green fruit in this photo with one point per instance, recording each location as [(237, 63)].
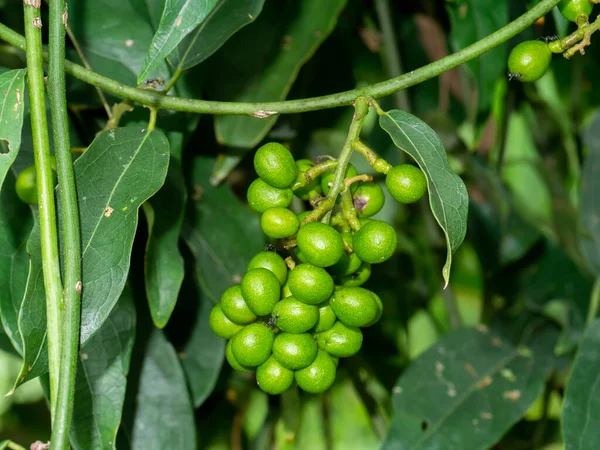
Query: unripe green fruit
[(26, 183), (321, 245), (379, 310), (326, 319), (275, 165), (293, 316), (375, 242), (313, 187), (354, 306), (349, 262), (273, 378), (368, 199), (357, 278), (310, 284), (235, 365), (270, 261), (252, 345), (406, 183), (318, 376), (279, 223), (234, 306), (328, 177), (529, 60), (221, 325), (261, 290), (572, 9), (262, 196), (295, 351), (340, 340)]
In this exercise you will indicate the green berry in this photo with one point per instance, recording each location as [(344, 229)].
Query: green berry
[(221, 325), (320, 244), (354, 306), (318, 376), (293, 316), (379, 310), (349, 262), (375, 242), (406, 183), (275, 165), (273, 378), (262, 196), (529, 60), (368, 199), (252, 345), (357, 278), (234, 306), (270, 261), (340, 340), (572, 9), (328, 177), (326, 318), (261, 290), (279, 223), (310, 284), (235, 365), (312, 188), (26, 183), (295, 351)]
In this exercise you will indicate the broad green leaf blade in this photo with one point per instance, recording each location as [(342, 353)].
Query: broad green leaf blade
[(222, 234), (102, 378), (471, 21), (227, 17), (179, 18), (464, 393), (448, 196), (589, 208), (16, 222), (12, 101), (164, 416), (581, 408), (291, 46)]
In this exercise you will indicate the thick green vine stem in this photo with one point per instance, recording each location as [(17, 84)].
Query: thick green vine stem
[(43, 172), (69, 229), (268, 109)]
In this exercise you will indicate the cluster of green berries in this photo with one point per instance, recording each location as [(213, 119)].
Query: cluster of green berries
[(530, 60), (293, 316)]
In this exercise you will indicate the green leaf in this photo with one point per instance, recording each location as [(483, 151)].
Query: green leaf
[(164, 416), (589, 208), (179, 18), (222, 234), (227, 17), (12, 86), (581, 408), (288, 47), (465, 392), (102, 377), (16, 222), (448, 196), (471, 21)]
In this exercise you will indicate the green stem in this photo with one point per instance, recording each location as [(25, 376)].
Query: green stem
[(348, 210), (152, 120), (266, 109), (572, 43), (379, 164), (43, 172), (314, 172), (172, 81), (594, 302), (14, 446), (70, 230)]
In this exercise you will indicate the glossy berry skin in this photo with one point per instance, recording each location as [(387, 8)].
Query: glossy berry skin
[(313, 187), (376, 242), (529, 60), (310, 284), (326, 319), (221, 325), (358, 278), (572, 9), (270, 261), (275, 165), (354, 306), (234, 306), (368, 199), (320, 244), (318, 376), (262, 196), (349, 262), (406, 183), (340, 340), (273, 378), (252, 345), (328, 177), (379, 310), (235, 365), (261, 290), (293, 316), (279, 223), (295, 351)]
